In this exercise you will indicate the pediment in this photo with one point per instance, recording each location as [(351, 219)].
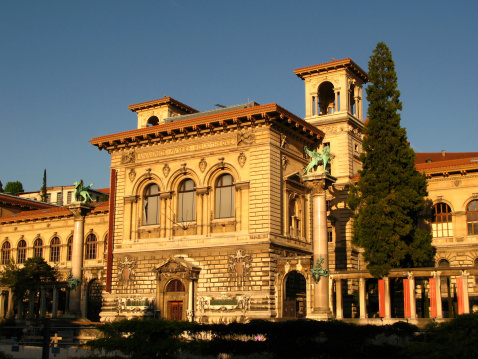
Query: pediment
[(176, 265)]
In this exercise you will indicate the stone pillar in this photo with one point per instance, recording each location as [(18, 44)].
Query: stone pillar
[(42, 302), (190, 311), (20, 309), (10, 304), (31, 305), (466, 299), (54, 307), (413, 299), (2, 306), (388, 308), (362, 298), (339, 314), (319, 183), (79, 210)]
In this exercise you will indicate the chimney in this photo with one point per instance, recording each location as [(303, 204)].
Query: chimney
[(443, 153)]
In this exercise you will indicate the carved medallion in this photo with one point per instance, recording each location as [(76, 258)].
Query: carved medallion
[(127, 271), (166, 170), (128, 157), (202, 164), (239, 265), (132, 174), (245, 137), (241, 159)]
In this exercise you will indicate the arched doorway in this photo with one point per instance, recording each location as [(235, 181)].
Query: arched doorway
[(95, 287), (175, 298), (294, 295)]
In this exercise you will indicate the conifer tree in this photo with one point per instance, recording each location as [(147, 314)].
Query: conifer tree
[(43, 194), (389, 196)]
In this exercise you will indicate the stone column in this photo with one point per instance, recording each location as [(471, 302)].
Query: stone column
[(338, 299), (20, 309), (42, 302), (388, 308), (466, 299), (10, 304), (2, 305), (319, 183), (54, 307), (31, 305), (190, 311), (362, 298), (413, 299), (79, 210)]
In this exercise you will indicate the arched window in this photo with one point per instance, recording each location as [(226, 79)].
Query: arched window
[(443, 263), (91, 246), (326, 98), (442, 225), (151, 205), (472, 217), (38, 248), (186, 201), (55, 249), (175, 286), (224, 197), (6, 250), (69, 248), (294, 218), (153, 121), (21, 251)]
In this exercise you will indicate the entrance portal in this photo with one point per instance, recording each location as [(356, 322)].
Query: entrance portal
[(295, 296), (175, 310)]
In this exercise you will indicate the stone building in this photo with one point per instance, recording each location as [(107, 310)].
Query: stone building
[(211, 217)]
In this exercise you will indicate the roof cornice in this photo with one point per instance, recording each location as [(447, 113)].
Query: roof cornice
[(270, 113), (333, 66)]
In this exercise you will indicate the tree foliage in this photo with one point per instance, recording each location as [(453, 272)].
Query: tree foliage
[(389, 196), (43, 194), (34, 272), (14, 187)]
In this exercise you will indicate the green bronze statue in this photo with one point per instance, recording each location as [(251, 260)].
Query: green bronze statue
[(317, 270), (317, 159), (81, 193)]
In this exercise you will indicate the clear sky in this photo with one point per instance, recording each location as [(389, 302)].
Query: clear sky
[(69, 69)]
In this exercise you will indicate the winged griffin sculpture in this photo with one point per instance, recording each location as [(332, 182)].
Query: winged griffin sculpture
[(317, 158)]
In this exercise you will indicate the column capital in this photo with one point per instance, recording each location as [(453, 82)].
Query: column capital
[(80, 210), (319, 183)]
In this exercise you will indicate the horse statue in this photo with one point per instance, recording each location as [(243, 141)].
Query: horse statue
[(81, 193), (317, 159)]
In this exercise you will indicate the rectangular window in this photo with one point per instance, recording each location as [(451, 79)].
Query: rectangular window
[(68, 197), (59, 198)]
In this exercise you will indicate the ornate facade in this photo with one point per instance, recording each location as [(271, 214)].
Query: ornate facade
[(210, 219)]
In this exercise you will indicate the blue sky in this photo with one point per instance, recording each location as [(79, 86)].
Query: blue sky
[(69, 69)]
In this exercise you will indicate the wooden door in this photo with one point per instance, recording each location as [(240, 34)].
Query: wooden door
[(175, 310)]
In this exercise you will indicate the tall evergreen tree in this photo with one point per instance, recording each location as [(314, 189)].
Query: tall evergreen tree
[(43, 194), (389, 196)]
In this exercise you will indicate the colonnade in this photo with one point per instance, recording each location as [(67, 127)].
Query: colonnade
[(432, 279)]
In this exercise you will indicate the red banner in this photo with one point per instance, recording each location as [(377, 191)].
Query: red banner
[(381, 298), (459, 294), (406, 298), (433, 297)]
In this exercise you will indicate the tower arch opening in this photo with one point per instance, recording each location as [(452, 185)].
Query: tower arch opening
[(326, 98)]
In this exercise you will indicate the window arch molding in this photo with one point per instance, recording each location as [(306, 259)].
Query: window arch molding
[(151, 204), (91, 245), (6, 251), (38, 247), (471, 210), (178, 176), (441, 218), (55, 248), (219, 169), (143, 181), (21, 247)]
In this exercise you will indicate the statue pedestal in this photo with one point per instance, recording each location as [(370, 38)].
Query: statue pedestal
[(79, 210), (319, 183)]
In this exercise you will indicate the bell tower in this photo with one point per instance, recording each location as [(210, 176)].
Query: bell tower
[(333, 91), (334, 104)]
